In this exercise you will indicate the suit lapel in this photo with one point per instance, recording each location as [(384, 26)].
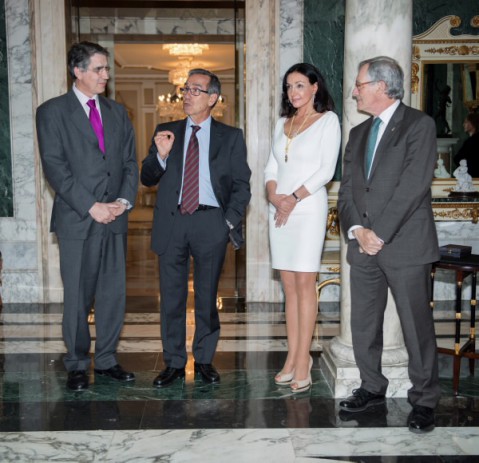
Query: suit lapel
[(216, 140), (107, 119), (175, 158), (388, 136), (79, 117)]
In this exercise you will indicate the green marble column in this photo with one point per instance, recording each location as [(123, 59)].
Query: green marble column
[(6, 196)]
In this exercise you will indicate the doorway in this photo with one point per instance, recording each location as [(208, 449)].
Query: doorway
[(139, 37)]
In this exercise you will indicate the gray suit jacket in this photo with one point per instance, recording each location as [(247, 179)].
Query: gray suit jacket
[(395, 202), (229, 172), (76, 169)]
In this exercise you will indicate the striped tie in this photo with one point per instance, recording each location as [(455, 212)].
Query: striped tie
[(190, 197)]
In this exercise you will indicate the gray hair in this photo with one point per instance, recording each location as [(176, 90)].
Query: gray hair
[(215, 84), (388, 70)]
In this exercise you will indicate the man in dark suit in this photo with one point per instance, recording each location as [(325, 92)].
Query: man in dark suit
[(385, 212), (91, 165), (198, 206)]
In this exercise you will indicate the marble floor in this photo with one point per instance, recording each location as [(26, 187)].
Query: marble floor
[(246, 418)]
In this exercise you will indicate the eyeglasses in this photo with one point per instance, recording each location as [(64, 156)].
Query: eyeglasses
[(195, 91), (99, 69), (359, 85)]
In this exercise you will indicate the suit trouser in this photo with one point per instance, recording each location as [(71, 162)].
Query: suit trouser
[(93, 271), (203, 236), (410, 287)]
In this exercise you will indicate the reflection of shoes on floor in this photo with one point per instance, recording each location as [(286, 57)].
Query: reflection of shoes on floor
[(421, 419), (360, 400), (373, 417)]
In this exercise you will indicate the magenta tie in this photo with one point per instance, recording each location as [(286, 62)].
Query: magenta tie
[(95, 122), (190, 197)]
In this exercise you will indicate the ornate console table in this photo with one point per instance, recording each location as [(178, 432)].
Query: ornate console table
[(450, 209)]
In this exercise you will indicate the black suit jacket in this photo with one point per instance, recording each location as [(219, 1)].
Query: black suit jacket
[(77, 170), (229, 173), (395, 202)]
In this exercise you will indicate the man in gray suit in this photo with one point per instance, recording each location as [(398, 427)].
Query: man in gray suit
[(91, 166), (198, 207), (385, 212)]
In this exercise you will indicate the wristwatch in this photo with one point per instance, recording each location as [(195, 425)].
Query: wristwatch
[(296, 197)]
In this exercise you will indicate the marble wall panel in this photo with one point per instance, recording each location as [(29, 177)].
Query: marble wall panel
[(6, 192), (18, 234), (166, 26)]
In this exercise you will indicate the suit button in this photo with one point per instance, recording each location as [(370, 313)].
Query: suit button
[(103, 157), (365, 214), (367, 190), (108, 173), (172, 213), (106, 193)]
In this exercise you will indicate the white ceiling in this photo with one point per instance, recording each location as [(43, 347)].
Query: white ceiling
[(140, 57)]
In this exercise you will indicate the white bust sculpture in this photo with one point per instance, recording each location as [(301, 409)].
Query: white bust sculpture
[(441, 171), (464, 180)]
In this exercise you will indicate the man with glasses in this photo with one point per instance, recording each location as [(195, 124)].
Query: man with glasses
[(386, 215), (87, 147), (199, 165)]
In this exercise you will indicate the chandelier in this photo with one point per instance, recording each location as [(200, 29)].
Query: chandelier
[(185, 49), (171, 105)]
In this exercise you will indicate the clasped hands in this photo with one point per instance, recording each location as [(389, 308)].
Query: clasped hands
[(106, 212), (369, 242), (284, 204)]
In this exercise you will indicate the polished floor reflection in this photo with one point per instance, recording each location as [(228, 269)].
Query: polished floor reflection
[(247, 418)]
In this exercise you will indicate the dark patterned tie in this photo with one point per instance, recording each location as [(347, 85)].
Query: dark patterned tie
[(190, 197), (373, 136), (95, 122)]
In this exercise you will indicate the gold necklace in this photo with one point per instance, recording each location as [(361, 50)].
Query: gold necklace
[(289, 139)]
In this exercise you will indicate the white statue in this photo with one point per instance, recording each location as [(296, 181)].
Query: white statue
[(464, 180), (441, 171)]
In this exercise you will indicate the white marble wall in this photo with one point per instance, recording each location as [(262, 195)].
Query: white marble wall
[(18, 235), (271, 50), (218, 22)]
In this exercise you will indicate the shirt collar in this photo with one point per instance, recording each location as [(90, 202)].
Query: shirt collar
[(386, 115), (206, 124), (83, 98)]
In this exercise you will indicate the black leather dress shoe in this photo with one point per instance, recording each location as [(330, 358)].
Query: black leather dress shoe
[(360, 400), (207, 372), (167, 376), (77, 380), (421, 419), (116, 372)]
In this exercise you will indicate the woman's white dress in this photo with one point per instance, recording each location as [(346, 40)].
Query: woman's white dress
[(312, 159)]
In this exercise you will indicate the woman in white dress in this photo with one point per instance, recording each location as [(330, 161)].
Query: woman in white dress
[(302, 161)]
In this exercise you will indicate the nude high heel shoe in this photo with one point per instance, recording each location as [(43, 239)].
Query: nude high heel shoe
[(302, 385), (284, 379)]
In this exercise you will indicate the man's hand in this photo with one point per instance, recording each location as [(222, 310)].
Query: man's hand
[(368, 241), (117, 208), (164, 141), (103, 212)]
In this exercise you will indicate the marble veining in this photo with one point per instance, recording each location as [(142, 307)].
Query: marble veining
[(235, 445)]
